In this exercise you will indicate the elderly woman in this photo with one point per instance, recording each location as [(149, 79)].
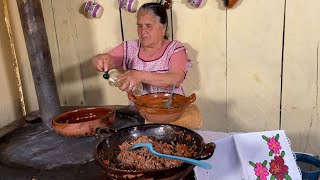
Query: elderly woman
[(152, 60)]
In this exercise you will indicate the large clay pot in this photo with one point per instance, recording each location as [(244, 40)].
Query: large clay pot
[(150, 106), (83, 122)]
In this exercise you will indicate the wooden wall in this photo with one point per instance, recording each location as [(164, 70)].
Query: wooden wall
[(300, 95), (255, 66), (10, 108), (254, 53)]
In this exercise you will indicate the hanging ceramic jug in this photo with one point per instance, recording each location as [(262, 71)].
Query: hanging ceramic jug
[(128, 5), (229, 3), (195, 3), (92, 9), (165, 3)]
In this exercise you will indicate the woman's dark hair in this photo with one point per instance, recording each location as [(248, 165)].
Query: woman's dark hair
[(159, 11)]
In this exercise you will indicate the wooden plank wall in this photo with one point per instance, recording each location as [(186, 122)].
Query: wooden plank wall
[(74, 40), (203, 31), (10, 110), (254, 53), (300, 96), (23, 60), (236, 55)]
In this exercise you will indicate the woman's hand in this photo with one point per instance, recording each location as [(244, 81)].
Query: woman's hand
[(103, 62), (162, 80), (130, 80)]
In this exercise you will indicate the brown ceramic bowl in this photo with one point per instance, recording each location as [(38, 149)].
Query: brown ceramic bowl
[(83, 122), (151, 108)]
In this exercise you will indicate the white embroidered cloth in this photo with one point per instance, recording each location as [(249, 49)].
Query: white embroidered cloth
[(249, 156)]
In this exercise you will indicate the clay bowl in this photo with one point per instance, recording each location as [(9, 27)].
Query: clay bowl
[(150, 106), (83, 122)]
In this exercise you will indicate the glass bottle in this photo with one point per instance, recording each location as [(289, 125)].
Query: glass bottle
[(112, 76)]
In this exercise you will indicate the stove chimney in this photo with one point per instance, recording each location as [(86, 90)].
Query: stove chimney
[(40, 59)]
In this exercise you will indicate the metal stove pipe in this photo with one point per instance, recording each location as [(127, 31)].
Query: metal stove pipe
[(40, 59)]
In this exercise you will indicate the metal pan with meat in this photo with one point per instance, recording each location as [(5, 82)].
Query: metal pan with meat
[(108, 149)]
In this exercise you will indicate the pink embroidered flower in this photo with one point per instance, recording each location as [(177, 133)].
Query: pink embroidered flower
[(274, 145), (261, 171)]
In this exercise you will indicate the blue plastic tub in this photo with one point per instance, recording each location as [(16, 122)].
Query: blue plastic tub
[(310, 160)]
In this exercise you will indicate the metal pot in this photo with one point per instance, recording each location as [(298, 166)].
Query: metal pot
[(108, 146)]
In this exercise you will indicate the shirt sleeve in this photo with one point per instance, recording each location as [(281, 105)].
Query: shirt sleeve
[(117, 54), (178, 61)]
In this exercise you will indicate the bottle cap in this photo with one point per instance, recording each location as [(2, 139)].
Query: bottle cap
[(106, 75)]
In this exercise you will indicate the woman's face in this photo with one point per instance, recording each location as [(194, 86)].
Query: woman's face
[(150, 30)]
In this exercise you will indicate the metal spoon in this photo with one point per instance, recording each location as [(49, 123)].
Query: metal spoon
[(184, 159), (167, 103)]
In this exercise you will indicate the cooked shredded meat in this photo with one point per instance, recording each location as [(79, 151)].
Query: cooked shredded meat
[(142, 159)]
